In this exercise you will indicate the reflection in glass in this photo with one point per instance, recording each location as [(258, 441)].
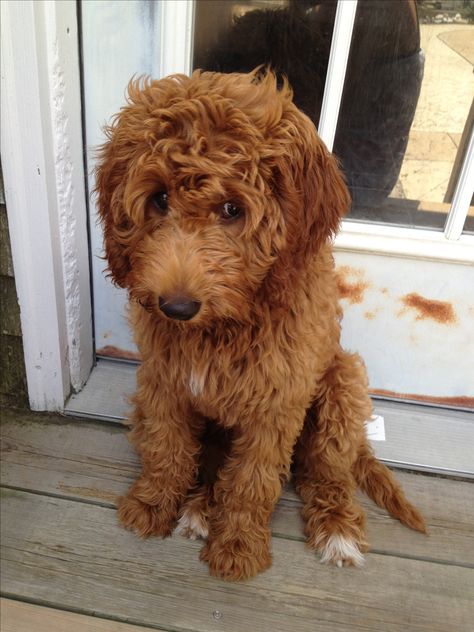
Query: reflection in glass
[(404, 112), (293, 37), (419, 102)]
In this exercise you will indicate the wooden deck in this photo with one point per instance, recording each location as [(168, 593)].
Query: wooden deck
[(67, 566)]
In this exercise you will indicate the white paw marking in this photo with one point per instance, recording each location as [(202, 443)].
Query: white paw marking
[(339, 549), (196, 382), (192, 525)]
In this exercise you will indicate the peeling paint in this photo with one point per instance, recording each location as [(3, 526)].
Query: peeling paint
[(64, 168), (439, 311), (351, 284)]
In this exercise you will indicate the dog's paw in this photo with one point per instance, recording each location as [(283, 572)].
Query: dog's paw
[(340, 550), (192, 524), (144, 520), (236, 559)]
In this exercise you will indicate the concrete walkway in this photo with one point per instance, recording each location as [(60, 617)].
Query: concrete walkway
[(446, 95)]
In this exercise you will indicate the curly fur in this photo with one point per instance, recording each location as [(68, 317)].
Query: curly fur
[(257, 377)]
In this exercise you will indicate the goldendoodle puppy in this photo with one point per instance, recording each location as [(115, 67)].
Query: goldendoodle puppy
[(218, 202)]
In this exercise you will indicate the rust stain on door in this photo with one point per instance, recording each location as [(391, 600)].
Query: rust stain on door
[(371, 314), (351, 284), (425, 308), (110, 351), (455, 402)]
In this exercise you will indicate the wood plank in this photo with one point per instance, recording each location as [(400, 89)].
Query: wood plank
[(56, 455), (73, 555), (94, 462), (17, 616), (418, 437)]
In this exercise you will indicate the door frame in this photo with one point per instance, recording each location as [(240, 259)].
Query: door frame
[(43, 168)]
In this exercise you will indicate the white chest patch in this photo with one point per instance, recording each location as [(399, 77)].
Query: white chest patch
[(196, 382)]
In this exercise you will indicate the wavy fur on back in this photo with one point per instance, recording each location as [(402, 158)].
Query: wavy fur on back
[(256, 378)]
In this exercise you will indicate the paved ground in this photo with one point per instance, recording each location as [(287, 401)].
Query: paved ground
[(446, 94)]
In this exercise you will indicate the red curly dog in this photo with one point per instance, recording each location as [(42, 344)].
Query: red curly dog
[(218, 202)]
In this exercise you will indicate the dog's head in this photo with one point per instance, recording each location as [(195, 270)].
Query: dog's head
[(213, 191)]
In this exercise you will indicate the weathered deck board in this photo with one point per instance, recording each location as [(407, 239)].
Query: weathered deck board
[(70, 554), (94, 462), (16, 616)]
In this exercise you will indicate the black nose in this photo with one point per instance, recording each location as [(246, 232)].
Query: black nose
[(179, 307)]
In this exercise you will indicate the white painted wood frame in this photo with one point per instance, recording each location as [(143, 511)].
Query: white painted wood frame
[(462, 195), (413, 243), (42, 160), (336, 72), (177, 37)]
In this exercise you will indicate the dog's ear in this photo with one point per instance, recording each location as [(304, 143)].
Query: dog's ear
[(312, 195), (130, 137), (113, 162)]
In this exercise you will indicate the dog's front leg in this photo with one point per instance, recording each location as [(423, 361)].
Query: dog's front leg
[(166, 438), (247, 489), (324, 462)]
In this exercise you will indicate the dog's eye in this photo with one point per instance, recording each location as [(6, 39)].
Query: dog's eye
[(231, 211), (160, 201)]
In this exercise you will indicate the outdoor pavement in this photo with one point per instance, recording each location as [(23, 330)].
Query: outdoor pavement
[(446, 95)]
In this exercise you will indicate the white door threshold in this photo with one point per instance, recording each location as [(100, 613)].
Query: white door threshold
[(417, 437)]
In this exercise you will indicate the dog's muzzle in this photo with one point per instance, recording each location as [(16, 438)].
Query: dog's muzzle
[(179, 307)]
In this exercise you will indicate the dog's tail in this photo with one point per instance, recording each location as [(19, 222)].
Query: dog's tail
[(376, 480)]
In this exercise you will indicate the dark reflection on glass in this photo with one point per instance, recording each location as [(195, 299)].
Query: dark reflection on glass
[(406, 99), (381, 91), (294, 38)]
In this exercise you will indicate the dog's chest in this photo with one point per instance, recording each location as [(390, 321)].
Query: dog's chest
[(225, 390), (200, 384), (225, 380), (213, 387), (197, 381)]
